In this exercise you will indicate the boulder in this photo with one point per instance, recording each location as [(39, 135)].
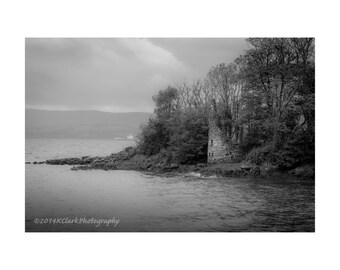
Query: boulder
[(246, 167), (201, 165), (173, 166), (255, 170), (306, 171)]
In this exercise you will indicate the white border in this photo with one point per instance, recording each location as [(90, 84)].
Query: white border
[(20, 19)]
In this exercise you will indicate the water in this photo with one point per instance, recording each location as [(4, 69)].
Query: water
[(147, 202)]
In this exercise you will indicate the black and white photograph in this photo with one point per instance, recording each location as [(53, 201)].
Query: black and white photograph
[(170, 134)]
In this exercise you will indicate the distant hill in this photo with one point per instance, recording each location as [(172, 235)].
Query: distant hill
[(82, 124)]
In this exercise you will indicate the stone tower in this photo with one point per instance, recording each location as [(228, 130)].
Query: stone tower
[(220, 147)]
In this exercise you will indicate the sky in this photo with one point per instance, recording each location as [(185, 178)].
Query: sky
[(116, 74)]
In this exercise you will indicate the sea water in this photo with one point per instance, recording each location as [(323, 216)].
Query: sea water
[(60, 199)]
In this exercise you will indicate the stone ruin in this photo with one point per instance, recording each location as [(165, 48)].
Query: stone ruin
[(220, 147)]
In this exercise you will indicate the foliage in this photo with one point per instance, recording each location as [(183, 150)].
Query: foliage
[(260, 155), (264, 101), (298, 150), (166, 101), (153, 137), (189, 140), (179, 134), (276, 71)]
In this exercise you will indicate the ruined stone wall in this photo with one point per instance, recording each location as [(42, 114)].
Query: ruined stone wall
[(216, 145), (220, 149)]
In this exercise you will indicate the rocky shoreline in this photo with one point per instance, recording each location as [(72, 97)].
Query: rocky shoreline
[(128, 159)]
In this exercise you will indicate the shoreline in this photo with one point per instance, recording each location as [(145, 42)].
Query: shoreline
[(128, 159)]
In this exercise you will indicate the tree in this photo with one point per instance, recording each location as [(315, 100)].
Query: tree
[(275, 70), (264, 100), (189, 141), (166, 101), (179, 129), (226, 89), (153, 137)]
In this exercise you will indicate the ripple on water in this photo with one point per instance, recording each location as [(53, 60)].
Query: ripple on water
[(146, 202)]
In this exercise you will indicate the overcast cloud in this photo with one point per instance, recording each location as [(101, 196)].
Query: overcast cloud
[(117, 75)]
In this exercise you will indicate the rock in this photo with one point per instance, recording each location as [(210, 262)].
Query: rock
[(196, 169), (173, 166), (148, 165), (70, 161), (246, 167), (27, 162), (128, 159), (255, 170), (201, 165), (306, 171), (97, 160)]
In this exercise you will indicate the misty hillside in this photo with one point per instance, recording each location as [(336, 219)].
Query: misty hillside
[(82, 124)]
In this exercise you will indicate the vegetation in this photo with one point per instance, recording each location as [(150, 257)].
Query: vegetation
[(264, 101)]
